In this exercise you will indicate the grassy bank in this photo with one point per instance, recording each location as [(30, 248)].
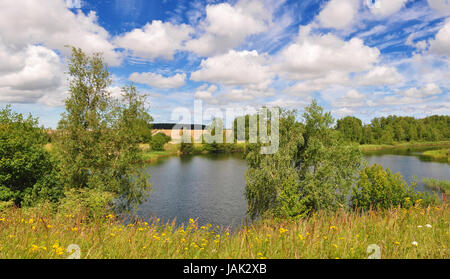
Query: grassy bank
[(152, 155), (403, 145), (171, 149), (441, 185), (441, 154), (400, 233)]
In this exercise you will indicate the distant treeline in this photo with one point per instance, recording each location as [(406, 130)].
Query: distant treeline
[(387, 130)]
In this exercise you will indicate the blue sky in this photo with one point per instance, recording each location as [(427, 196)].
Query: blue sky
[(366, 58)]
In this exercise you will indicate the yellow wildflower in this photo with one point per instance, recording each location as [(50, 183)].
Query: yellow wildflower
[(34, 248)]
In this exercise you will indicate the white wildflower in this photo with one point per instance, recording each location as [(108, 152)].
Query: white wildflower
[(414, 243), (419, 226), (428, 226)]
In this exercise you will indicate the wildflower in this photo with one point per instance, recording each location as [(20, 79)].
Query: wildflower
[(141, 229), (3, 219), (112, 234), (300, 236), (397, 243), (333, 228), (283, 230), (74, 229), (34, 248), (419, 226), (341, 238), (31, 221), (428, 226), (59, 251), (414, 243), (11, 236), (191, 221), (325, 237), (49, 226), (335, 246)]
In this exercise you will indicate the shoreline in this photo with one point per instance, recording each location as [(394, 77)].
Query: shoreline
[(404, 145)]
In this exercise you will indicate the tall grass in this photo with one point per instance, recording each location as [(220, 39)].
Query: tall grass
[(400, 233), (441, 185)]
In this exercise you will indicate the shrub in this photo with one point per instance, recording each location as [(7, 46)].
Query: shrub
[(27, 172), (158, 141), (380, 189), (91, 203)]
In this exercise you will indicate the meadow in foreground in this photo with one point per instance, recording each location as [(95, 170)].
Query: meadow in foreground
[(400, 233)]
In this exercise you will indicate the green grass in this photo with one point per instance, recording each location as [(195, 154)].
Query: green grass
[(440, 154), (441, 185), (171, 149), (403, 145), (400, 233)]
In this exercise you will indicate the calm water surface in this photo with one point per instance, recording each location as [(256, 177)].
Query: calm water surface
[(211, 187)]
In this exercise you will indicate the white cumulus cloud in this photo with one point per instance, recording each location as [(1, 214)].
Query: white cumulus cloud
[(51, 23), (384, 8), (338, 14), (158, 80), (246, 68), (313, 56), (156, 39), (226, 26)]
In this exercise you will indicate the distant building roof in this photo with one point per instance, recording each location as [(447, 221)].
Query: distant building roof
[(169, 126)]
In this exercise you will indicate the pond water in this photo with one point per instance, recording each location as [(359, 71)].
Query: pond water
[(211, 187)]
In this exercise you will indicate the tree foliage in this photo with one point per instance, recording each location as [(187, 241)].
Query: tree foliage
[(98, 136), (312, 169), (387, 130), (380, 189), (27, 172)]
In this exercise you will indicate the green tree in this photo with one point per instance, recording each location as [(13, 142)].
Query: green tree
[(28, 174), (158, 141), (312, 170), (214, 143), (273, 180), (351, 128), (98, 136)]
